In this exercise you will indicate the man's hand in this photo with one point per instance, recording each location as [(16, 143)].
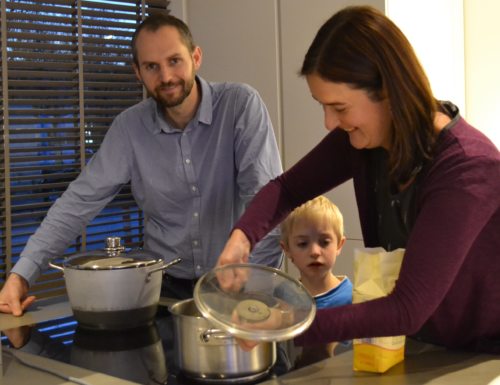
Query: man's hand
[(19, 336), (14, 297)]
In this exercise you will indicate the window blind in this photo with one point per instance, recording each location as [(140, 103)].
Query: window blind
[(65, 74)]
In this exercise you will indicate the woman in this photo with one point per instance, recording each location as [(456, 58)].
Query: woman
[(425, 180)]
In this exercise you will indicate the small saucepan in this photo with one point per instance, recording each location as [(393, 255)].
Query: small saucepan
[(111, 288)]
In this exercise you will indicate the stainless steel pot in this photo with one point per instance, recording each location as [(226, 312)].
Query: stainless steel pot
[(203, 352), (111, 288)]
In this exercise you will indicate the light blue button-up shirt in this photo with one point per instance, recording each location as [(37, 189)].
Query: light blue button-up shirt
[(192, 184)]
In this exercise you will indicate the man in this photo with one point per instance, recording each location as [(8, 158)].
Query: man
[(195, 153)]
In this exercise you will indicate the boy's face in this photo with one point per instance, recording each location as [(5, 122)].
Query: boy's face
[(313, 247)]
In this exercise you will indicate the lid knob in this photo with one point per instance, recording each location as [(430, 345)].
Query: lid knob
[(113, 246), (252, 310)]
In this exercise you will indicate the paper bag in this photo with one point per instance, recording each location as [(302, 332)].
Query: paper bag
[(375, 274)]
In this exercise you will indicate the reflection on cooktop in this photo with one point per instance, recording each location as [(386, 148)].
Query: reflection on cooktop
[(145, 354)]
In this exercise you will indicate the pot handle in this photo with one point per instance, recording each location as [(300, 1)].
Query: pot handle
[(56, 266), (214, 333), (165, 266)]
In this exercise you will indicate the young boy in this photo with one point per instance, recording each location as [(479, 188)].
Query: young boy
[(312, 237)]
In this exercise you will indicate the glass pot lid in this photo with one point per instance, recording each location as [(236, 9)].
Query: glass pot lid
[(254, 302), (112, 257)]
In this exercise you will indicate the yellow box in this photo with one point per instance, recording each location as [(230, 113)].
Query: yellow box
[(378, 354)]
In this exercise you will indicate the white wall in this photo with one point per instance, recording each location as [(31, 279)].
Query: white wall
[(435, 29), (458, 43), (482, 63)]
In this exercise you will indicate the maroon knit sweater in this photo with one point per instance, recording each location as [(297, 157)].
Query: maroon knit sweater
[(448, 291)]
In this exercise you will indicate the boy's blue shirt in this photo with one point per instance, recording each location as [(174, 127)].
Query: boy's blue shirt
[(338, 296)]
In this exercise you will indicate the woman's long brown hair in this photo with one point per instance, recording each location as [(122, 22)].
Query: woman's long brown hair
[(363, 48)]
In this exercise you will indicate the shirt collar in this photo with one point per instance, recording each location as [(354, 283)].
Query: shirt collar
[(203, 114)]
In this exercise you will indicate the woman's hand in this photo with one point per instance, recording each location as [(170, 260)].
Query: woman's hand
[(236, 250), (246, 345), (277, 319), (14, 297)]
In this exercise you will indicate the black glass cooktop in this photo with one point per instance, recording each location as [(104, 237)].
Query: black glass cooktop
[(145, 355)]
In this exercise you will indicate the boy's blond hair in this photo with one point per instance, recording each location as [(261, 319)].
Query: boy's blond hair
[(319, 208)]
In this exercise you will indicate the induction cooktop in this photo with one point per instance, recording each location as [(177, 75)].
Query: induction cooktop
[(145, 355)]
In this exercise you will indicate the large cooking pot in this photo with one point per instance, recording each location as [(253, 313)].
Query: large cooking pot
[(206, 353), (112, 288)]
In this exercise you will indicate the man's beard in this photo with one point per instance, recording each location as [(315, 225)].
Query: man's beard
[(173, 101)]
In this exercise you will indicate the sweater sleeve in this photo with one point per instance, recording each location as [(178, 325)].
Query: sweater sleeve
[(459, 199)]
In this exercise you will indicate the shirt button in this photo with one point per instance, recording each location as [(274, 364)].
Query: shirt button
[(188, 161), (195, 242), (195, 215), (198, 267), (193, 188)]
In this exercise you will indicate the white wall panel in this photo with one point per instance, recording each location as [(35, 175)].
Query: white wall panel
[(435, 28), (482, 63)]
